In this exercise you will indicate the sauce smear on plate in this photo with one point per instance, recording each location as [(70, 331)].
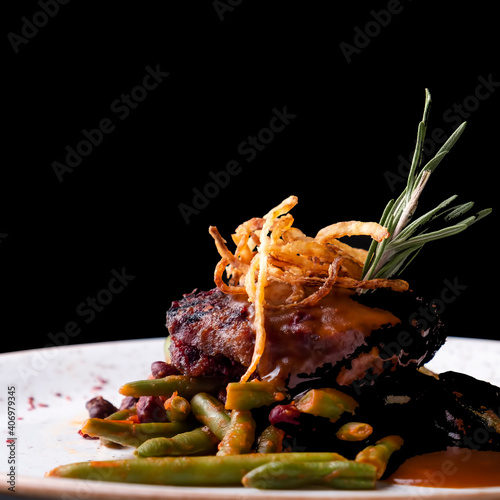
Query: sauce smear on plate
[(452, 468)]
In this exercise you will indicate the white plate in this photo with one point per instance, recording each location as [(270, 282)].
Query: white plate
[(52, 386)]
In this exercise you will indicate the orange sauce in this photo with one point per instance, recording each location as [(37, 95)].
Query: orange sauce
[(301, 339), (453, 468)]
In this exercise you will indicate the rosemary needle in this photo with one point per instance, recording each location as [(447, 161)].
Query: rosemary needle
[(407, 237)]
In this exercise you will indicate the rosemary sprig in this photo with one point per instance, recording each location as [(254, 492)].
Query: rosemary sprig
[(391, 256)]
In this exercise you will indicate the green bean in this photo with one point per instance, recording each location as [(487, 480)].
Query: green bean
[(240, 434), (354, 431), (182, 471), (379, 454), (185, 386), (117, 415), (128, 433), (199, 441), (329, 403), (210, 411), (344, 474), (270, 440), (122, 414), (177, 409), (253, 394)]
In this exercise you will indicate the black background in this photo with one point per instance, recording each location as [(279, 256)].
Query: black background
[(227, 72)]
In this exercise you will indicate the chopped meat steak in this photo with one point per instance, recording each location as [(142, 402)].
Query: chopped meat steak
[(211, 334), (343, 335)]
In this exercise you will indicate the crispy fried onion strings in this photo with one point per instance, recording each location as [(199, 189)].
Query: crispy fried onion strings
[(270, 249)]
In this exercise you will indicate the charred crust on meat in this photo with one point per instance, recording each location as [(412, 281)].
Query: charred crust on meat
[(212, 334)]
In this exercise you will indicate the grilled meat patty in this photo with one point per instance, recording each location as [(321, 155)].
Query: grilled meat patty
[(346, 337), (211, 334)]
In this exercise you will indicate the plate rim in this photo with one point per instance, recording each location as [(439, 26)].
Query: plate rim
[(51, 487)]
